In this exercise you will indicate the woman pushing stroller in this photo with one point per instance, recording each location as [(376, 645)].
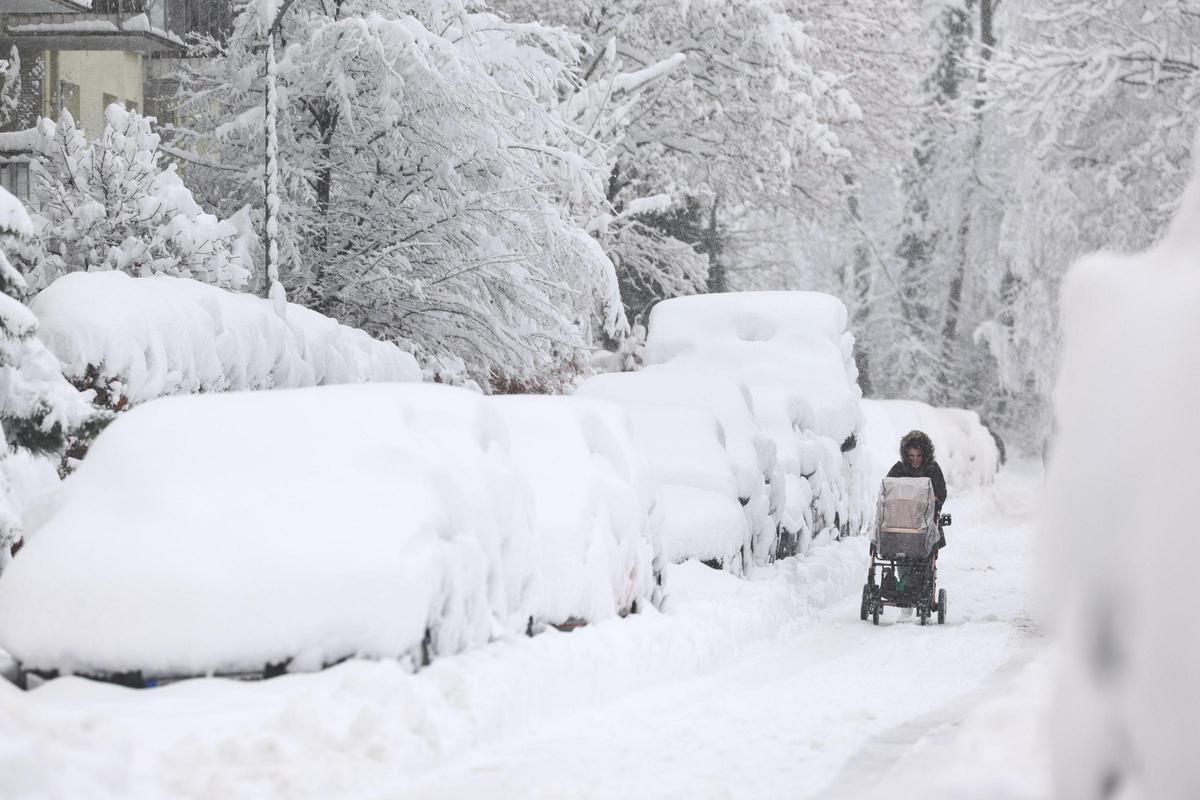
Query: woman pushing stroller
[(917, 461), (908, 535)]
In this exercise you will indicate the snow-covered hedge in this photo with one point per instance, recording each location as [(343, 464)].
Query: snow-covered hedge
[(1121, 528), (386, 520), (776, 369), (135, 339), (965, 449)]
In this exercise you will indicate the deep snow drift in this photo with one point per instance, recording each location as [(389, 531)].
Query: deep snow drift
[(1122, 521)]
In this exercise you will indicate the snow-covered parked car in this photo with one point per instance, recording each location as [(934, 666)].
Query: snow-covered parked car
[(715, 468), (698, 503), (793, 354), (965, 448), (270, 531), (591, 501)]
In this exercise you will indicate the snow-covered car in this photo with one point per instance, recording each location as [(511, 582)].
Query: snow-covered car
[(965, 448), (697, 500), (288, 530), (795, 357), (709, 422)]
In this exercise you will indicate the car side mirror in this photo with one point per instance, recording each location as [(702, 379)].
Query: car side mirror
[(944, 520)]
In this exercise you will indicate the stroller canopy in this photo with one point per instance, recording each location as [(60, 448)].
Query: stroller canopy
[(905, 522)]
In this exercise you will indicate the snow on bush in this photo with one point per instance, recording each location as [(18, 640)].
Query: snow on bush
[(111, 204), (134, 339), (387, 520), (1122, 520), (792, 352), (964, 448), (729, 458), (39, 409), (431, 188)]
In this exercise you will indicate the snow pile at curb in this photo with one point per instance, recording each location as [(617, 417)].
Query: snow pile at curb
[(228, 532), (142, 338), (1122, 519), (965, 449), (351, 730)]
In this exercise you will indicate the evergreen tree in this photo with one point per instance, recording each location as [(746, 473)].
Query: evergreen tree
[(39, 409)]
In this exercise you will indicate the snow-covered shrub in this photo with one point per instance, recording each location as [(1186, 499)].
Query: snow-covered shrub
[(39, 409), (702, 437), (386, 520), (965, 449), (1121, 524), (430, 187), (135, 339), (112, 204), (792, 352)]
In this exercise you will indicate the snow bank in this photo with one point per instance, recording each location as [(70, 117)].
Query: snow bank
[(1122, 519), (155, 336), (794, 357), (366, 729), (964, 448), (227, 532)]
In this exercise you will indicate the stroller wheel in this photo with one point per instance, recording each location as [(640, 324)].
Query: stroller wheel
[(875, 609), (866, 603), (941, 606)]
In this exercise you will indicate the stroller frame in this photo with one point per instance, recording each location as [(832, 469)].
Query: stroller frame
[(921, 594)]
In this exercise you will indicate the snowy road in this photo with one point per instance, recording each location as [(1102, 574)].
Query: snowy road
[(758, 689), (829, 708)]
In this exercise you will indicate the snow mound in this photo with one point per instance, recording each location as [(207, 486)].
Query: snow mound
[(226, 532), (963, 446), (1122, 519), (141, 338)]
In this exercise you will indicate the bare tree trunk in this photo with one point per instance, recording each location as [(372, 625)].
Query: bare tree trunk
[(987, 41), (717, 280), (858, 289)]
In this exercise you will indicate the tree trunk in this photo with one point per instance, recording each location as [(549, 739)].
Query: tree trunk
[(858, 288), (987, 42), (712, 244)]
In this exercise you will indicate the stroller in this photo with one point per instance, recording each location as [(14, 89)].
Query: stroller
[(904, 549)]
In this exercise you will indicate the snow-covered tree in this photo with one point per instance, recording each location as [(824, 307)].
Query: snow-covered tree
[(114, 203), (431, 189), (10, 86), (737, 128), (39, 409)]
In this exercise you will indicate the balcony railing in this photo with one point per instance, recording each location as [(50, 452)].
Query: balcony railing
[(90, 31)]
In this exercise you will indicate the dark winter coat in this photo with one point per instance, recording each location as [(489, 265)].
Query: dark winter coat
[(929, 467)]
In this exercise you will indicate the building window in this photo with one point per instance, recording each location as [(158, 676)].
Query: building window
[(14, 177), (109, 99), (68, 99)]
